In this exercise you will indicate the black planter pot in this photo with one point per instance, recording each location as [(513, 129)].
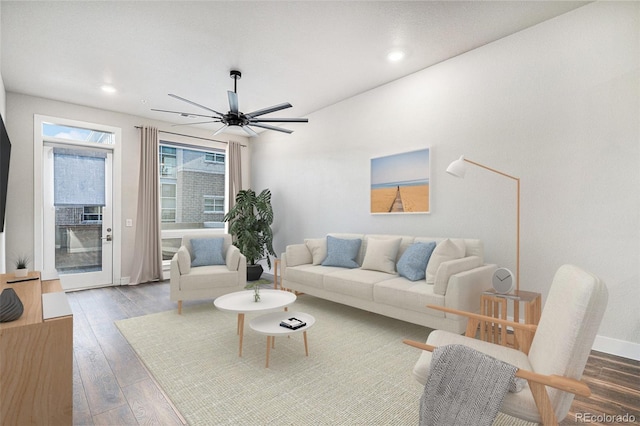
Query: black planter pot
[(254, 272)]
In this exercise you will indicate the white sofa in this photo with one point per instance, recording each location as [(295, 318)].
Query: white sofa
[(455, 276), (215, 276)]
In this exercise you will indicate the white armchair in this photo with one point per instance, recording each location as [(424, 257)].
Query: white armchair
[(557, 355), (206, 266)]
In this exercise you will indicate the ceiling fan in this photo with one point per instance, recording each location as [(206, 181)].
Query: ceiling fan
[(236, 118)]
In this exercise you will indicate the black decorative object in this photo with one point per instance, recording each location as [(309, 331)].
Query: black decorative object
[(10, 306)]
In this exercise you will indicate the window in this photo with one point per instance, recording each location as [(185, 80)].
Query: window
[(92, 214), (214, 157), (213, 204), (168, 161), (168, 202), (192, 191), (78, 134)]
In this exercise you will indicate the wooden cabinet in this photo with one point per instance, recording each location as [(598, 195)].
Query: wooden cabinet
[(36, 356)]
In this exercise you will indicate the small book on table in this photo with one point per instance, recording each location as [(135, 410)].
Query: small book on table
[(292, 323)]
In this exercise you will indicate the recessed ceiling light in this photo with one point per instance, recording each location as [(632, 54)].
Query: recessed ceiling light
[(395, 55), (107, 88)]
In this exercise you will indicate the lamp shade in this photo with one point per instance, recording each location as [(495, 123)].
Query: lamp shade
[(457, 168)]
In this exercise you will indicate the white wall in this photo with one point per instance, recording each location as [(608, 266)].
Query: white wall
[(556, 105), (20, 205)]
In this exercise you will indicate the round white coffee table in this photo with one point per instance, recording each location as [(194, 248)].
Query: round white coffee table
[(242, 302), (269, 325)]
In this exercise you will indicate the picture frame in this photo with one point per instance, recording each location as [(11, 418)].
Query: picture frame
[(400, 183)]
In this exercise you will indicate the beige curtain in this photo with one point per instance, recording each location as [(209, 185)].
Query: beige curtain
[(147, 256), (234, 157)]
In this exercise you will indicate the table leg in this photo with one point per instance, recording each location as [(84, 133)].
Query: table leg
[(306, 345), (269, 342), (240, 331)]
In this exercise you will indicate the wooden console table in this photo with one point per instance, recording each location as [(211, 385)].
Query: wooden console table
[(496, 305), (36, 356)]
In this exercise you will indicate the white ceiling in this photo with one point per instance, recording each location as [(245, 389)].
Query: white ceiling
[(311, 54)]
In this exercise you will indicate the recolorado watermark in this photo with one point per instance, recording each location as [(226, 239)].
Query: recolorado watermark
[(605, 418)]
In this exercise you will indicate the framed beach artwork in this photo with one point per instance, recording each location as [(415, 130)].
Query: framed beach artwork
[(400, 183)]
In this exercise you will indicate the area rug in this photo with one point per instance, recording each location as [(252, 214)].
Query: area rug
[(357, 372)]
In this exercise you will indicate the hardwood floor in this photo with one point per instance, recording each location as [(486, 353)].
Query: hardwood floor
[(112, 387)]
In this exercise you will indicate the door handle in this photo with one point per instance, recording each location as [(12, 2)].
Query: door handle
[(108, 237)]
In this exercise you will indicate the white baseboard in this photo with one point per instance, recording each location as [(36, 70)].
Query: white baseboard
[(612, 346), (617, 347)]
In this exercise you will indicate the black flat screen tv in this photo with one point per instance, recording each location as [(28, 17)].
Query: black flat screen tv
[(5, 156)]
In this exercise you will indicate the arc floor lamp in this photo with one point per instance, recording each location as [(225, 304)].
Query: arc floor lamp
[(458, 168)]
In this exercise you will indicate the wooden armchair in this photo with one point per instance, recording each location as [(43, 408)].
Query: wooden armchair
[(552, 355)]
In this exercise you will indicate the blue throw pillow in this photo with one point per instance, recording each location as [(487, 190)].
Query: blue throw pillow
[(207, 251), (413, 263), (342, 252)]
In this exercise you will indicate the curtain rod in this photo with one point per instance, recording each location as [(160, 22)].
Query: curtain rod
[(189, 136)]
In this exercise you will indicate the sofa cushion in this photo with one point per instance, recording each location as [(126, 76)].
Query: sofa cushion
[(411, 295), (354, 282), (381, 255), (311, 275), (184, 260), (413, 263), (212, 276), (318, 249), (445, 250), (342, 252), (207, 251)]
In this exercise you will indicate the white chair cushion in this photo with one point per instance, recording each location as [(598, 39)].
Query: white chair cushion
[(441, 338)]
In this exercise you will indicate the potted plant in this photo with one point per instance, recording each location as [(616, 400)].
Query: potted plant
[(250, 222), (21, 266)]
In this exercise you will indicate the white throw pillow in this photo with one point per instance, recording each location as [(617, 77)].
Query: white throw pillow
[(297, 254), (446, 250), (381, 255), (318, 249)]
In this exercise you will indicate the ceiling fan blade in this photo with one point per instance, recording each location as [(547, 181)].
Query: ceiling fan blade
[(221, 129), (198, 122), (269, 109), (195, 104), (184, 114), (279, 120), (266, 126), (233, 101), (249, 131)]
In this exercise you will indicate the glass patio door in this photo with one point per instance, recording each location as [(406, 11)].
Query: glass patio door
[(77, 203)]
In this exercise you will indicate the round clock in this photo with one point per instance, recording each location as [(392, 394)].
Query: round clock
[(502, 280)]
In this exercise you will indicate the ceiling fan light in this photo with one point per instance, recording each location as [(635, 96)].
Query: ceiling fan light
[(458, 168)]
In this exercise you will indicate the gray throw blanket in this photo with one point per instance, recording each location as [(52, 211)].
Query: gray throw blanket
[(465, 387)]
